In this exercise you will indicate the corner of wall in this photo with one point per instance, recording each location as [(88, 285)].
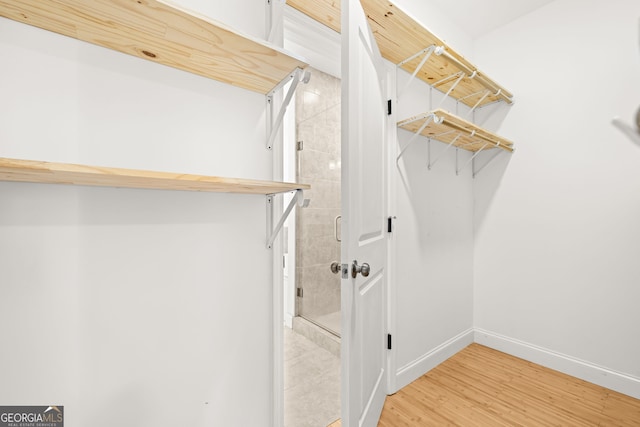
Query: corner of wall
[(587, 371)]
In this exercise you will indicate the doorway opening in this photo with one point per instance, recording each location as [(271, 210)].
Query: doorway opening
[(312, 291), (312, 154)]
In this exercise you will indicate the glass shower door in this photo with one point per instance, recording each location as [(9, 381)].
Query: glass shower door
[(318, 135)]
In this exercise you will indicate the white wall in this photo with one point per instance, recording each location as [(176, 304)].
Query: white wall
[(557, 236), (139, 307), (430, 15), (431, 287)]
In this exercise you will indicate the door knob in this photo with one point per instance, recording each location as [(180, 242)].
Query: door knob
[(363, 269), (336, 267)]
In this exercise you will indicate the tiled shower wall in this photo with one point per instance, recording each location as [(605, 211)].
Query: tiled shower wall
[(318, 127)]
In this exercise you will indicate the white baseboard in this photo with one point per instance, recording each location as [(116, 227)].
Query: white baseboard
[(617, 381), (590, 372), (415, 369), (288, 320)]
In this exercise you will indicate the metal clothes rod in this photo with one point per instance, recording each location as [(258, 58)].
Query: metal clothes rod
[(499, 91), (479, 135)]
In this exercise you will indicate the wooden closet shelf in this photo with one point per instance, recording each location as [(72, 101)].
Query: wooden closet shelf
[(327, 12), (65, 173), (465, 135), (400, 37), (159, 32)]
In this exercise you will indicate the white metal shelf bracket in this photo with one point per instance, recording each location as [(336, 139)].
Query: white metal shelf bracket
[(275, 11), (428, 119), (473, 73), (482, 98), (460, 75), (458, 170), (430, 163), (273, 125), (272, 232), (427, 53), (493, 156), (446, 79)]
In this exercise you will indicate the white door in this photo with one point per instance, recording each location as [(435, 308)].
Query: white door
[(363, 222)]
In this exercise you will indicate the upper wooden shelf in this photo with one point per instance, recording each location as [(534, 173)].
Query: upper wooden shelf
[(326, 12), (464, 134), (159, 32), (400, 37), (64, 173)]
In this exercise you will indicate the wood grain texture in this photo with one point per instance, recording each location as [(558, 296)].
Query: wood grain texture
[(64, 173), (399, 37), (159, 32), (326, 12), (480, 386), (453, 126)]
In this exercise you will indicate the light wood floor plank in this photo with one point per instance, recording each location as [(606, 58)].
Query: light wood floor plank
[(480, 386)]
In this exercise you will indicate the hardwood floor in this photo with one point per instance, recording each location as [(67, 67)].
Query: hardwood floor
[(480, 386)]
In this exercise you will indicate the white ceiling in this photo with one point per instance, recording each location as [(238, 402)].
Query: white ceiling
[(479, 17), (321, 46)]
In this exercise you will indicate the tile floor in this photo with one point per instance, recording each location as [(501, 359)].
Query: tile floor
[(331, 321), (311, 383)]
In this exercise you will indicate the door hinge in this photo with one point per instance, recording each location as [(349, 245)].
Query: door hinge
[(388, 341), (299, 292), (388, 107), (390, 224), (299, 145)]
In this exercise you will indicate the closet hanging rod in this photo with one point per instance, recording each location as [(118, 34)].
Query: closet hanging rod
[(495, 143), (444, 123), (477, 75)]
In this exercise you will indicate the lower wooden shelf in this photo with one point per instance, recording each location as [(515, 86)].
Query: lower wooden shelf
[(65, 173), (450, 129)]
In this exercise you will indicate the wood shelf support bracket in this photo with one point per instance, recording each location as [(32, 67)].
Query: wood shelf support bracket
[(272, 232), (273, 125)]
